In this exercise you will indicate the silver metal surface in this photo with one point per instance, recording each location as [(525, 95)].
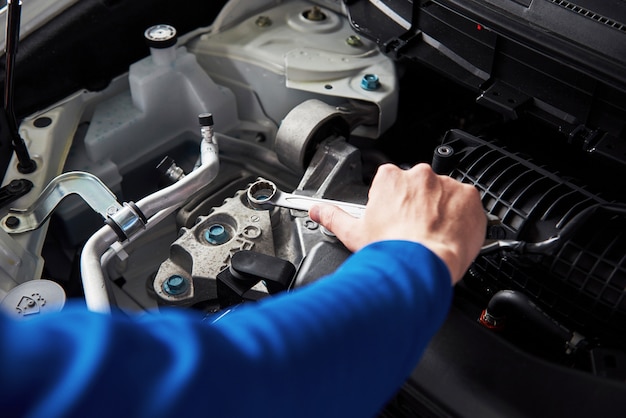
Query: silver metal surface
[(95, 287), (128, 220), (300, 129), (199, 261), (263, 194), (297, 133), (178, 193), (335, 170), (86, 185)]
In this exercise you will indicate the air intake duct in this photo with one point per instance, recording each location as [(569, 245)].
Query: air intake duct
[(580, 278)]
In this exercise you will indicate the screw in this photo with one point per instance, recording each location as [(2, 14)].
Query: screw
[(16, 186), (315, 14), (370, 82), (354, 41), (216, 234), (12, 222), (263, 21), (175, 285)]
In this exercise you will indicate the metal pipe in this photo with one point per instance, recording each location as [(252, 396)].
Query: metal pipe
[(92, 276), (112, 251), (170, 198), (179, 192)]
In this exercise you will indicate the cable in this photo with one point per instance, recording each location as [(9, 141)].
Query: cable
[(25, 163)]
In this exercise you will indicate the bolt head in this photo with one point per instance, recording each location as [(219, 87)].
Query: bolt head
[(216, 234), (314, 15), (370, 82), (175, 285), (16, 186), (12, 222), (263, 21), (354, 41)]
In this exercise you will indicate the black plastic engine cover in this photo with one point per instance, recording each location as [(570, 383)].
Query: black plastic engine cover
[(582, 281)]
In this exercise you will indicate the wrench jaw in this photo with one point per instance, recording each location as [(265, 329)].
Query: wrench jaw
[(260, 194)]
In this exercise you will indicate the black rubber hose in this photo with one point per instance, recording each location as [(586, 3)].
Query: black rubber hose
[(509, 306), (25, 163)]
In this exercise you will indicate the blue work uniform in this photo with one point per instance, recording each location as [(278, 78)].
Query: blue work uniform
[(340, 347)]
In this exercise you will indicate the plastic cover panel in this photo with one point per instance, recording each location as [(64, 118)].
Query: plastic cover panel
[(583, 282)]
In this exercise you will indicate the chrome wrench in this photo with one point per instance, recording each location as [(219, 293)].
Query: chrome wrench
[(263, 194)]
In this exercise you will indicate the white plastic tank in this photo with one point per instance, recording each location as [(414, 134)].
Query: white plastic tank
[(168, 89)]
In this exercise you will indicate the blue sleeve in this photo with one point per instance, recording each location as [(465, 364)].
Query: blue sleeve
[(339, 347)]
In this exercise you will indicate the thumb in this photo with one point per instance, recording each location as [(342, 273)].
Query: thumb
[(339, 223)]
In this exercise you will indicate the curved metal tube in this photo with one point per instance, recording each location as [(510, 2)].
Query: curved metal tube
[(94, 284), (93, 277), (89, 187), (179, 192)]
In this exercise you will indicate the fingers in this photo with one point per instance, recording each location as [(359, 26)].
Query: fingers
[(339, 223), (417, 205), (386, 177)]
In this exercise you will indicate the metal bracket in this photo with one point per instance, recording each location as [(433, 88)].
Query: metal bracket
[(89, 187)]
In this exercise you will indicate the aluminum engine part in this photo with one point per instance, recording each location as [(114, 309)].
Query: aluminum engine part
[(313, 121), (278, 58), (287, 234), (197, 257)]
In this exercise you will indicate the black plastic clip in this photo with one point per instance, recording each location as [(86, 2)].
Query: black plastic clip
[(247, 268)]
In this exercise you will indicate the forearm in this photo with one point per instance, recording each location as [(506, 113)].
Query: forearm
[(335, 348), (350, 339)]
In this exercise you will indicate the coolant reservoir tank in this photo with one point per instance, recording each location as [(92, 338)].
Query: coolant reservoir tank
[(168, 89)]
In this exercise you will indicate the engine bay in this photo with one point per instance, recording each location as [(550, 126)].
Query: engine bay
[(159, 135)]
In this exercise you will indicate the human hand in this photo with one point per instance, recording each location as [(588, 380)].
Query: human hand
[(418, 205)]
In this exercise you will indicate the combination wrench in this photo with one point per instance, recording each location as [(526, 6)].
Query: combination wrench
[(263, 194)]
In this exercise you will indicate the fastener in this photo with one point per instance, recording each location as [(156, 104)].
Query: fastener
[(175, 285), (263, 21), (216, 234), (12, 222), (370, 82), (354, 41)]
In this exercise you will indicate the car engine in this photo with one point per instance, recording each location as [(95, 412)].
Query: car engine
[(160, 133)]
